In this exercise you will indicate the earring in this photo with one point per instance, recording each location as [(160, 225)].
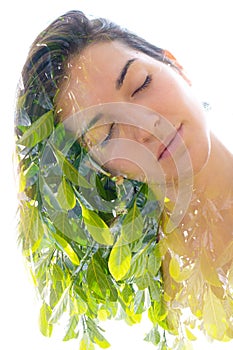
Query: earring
[(207, 107)]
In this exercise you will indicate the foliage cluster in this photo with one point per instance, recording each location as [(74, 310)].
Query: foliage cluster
[(94, 248), (90, 240)]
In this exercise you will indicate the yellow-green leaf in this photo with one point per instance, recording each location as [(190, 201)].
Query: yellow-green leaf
[(103, 314), (31, 228), (97, 228), (22, 182), (178, 274), (86, 344), (119, 260), (65, 195), (174, 268), (79, 306), (38, 131), (66, 248), (138, 265), (45, 327)]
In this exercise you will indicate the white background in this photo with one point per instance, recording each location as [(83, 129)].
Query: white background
[(198, 32)]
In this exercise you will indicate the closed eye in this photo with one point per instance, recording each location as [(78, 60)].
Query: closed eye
[(109, 135), (144, 85)]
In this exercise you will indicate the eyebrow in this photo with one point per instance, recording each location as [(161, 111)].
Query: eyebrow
[(123, 73)]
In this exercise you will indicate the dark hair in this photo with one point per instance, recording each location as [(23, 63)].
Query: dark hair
[(66, 36)]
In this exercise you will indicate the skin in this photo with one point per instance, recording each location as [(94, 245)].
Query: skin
[(91, 80), (168, 94)]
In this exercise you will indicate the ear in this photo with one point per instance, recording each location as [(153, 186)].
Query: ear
[(180, 68)]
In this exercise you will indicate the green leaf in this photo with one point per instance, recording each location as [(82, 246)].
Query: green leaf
[(69, 227), (57, 273), (132, 227), (214, 316), (56, 291), (143, 281), (65, 195), (31, 227), (127, 293), (86, 343), (79, 307), (139, 302), (96, 336), (70, 171), (98, 281), (155, 290), (137, 266), (153, 336), (97, 228), (80, 291), (45, 327), (66, 248), (132, 318), (71, 330), (154, 261), (22, 181), (60, 307), (158, 312), (119, 260), (31, 174), (47, 195), (38, 131)]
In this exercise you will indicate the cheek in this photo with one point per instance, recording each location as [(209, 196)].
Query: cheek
[(168, 98)]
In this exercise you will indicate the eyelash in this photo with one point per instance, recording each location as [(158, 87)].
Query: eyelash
[(146, 83), (142, 87), (108, 137)]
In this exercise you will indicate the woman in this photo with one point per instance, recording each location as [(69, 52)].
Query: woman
[(135, 116)]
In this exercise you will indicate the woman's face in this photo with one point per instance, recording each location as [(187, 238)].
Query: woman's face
[(145, 121)]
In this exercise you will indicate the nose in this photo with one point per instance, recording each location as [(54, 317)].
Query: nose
[(139, 134)]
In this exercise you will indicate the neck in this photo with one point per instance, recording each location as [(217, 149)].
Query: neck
[(215, 180), (211, 190)]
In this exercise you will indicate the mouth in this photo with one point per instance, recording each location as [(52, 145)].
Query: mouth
[(168, 148)]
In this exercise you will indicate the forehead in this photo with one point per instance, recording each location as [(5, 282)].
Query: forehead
[(104, 52), (101, 58), (92, 75)]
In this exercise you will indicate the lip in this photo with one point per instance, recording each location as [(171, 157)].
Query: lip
[(169, 146)]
